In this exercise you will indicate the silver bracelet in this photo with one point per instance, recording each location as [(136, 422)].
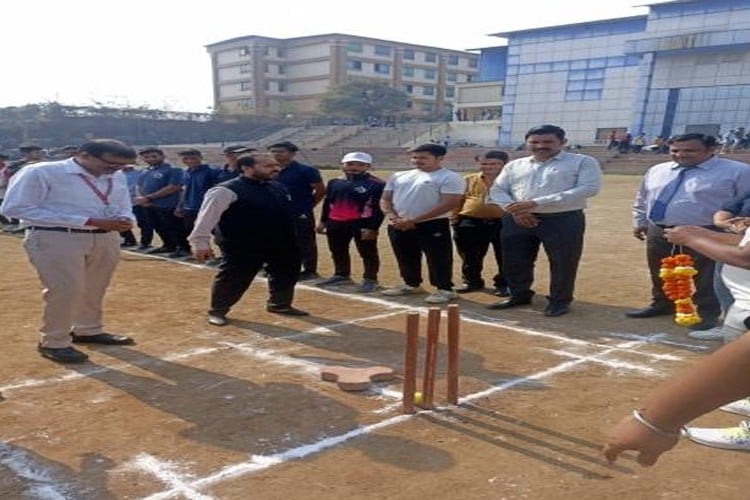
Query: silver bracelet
[(642, 420)]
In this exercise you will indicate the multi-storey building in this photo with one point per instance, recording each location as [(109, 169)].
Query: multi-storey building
[(683, 67), (262, 75)]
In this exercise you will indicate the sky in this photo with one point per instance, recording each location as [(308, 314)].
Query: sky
[(152, 53)]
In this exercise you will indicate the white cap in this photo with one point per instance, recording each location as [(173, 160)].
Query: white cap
[(357, 156)]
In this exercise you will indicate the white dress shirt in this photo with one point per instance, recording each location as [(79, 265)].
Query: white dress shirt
[(560, 184), (54, 194)]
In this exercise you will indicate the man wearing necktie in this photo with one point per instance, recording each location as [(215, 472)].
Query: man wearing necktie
[(685, 191)]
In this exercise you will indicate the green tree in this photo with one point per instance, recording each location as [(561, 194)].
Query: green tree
[(360, 99)]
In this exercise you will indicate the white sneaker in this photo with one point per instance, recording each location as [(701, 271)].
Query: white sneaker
[(441, 297), (730, 438), (741, 407), (714, 333), (402, 290)]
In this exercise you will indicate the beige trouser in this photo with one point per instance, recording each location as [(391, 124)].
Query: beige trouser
[(75, 270)]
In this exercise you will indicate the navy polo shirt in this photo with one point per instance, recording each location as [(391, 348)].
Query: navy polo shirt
[(225, 174), (298, 179), (156, 177), (195, 184)]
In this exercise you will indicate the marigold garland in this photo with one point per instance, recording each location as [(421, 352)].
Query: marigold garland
[(677, 273)]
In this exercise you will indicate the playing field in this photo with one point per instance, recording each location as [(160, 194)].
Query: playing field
[(199, 412)]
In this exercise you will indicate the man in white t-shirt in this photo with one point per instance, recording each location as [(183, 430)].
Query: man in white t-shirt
[(417, 204)]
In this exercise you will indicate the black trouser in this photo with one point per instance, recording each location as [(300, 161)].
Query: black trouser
[(657, 247), (561, 234), (188, 222), (168, 226), (306, 232), (238, 269), (141, 219), (339, 235), (431, 238), (473, 237)]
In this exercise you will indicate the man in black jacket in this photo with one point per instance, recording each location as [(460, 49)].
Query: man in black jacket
[(253, 219)]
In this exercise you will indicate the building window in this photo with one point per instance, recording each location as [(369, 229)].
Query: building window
[(450, 92), (473, 63), (427, 106), (409, 54), (430, 57), (354, 47), (246, 86), (407, 71), (428, 90), (429, 74), (281, 69), (354, 65), (280, 52), (584, 85), (244, 51), (246, 103), (382, 50), (281, 86), (469, 78), (453, 60), (383, 69), (451, 76), (246, 68), (409, 89)]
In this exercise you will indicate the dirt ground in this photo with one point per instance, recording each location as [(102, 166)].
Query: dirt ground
[(199, 412)]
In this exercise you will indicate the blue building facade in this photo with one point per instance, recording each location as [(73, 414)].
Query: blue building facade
[(684, 67)]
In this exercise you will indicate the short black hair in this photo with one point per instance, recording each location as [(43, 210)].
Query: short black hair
[(558, 132), (495, 154), (708, 140), (289, 146), (150, 149), (246, 161), (190, 152), (435, 150), (99, 147)]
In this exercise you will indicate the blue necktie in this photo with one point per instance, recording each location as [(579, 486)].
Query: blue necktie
[(659, 208)]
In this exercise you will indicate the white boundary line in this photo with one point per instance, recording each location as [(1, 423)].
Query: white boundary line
[(259, 463), (186, 485)]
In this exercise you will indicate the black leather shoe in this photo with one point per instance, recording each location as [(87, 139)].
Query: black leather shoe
[(63, 354), (501, 291), (102, 338), (307, 276), (466, 288), (287, 310), (553, 310), (160, 250), (650, 311), (511, 302), (705, 324), (217, 320)]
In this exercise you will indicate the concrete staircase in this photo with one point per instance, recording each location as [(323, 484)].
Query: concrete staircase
[(323, 146)]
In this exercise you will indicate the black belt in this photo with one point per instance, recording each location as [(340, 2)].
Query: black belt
[(544, 215), (67, 230), (666, 226), (489, 220)]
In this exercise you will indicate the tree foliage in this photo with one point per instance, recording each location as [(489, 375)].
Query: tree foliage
[(52, 124), (362, 100)]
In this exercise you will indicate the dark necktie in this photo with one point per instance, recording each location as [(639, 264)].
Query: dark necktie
[(659, 208)]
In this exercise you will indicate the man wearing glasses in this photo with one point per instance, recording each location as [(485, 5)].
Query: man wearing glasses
[(73, 211)]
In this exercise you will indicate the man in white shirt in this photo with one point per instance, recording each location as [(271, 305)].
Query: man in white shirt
[(417, 204), (73, 211), (543, 196)]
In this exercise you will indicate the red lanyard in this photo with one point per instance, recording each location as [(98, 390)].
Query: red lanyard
[(102, 196)]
